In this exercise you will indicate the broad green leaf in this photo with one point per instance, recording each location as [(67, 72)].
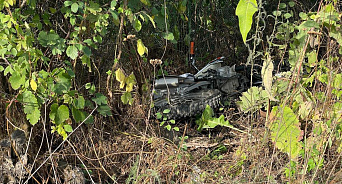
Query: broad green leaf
[(67, 128), (285, 131), (245, 11), (141, 48), (74, 7), (100, 99), (168, 36), (33, 85), (79, 102), (31, 107), (63, 83), (217, 121), (267, 76), (1, 68), (72, 52), (137, 24), (16, 80), (86, 61), (253, 99), (53, 111), (127, 98), (62, 114), (104, 110), (120, 76), (78, 115)]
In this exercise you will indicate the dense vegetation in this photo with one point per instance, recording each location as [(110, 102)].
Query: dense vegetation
[(76, 79)]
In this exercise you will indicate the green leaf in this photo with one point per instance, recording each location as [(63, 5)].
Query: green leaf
[(53, 111), (78, 115), (62, 114), (159, 115), (16, 80), (67, 3), (127, 98), (113, 4), (1, 68), (285, 131), (168, 127), (287, 15), (217, 121), (104, 110), (31, 107), (74, 7), (72, 52), (100, 99), (166, 111), (63, 83), (137, 24), (253, 99), (67, 128), (141, 48), (176, 129), (168, 36), (292, 4), (79, 102), (245, 11)]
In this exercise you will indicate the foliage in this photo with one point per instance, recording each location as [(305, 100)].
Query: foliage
[(245, 11), (285, 131), (207, 120), (129, 82), (169, 122), (253, 99)]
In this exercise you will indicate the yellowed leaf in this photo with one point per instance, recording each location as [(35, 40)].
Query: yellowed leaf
[(267, 76), (33, 85), (120, 76), (141, 48)]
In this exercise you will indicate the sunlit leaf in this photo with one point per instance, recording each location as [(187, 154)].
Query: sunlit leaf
[(285, 131), (67, 128), (33, 85), (62, 114), (245, 11), (72, 52), (141, 48), (120, 76), (74, 7)]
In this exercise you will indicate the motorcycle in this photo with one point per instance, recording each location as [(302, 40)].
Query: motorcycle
[(188, 94)]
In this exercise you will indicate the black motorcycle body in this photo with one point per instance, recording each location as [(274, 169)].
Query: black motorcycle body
[(187, 94)]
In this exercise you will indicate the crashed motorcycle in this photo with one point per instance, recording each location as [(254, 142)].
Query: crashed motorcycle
[(188, 94)]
